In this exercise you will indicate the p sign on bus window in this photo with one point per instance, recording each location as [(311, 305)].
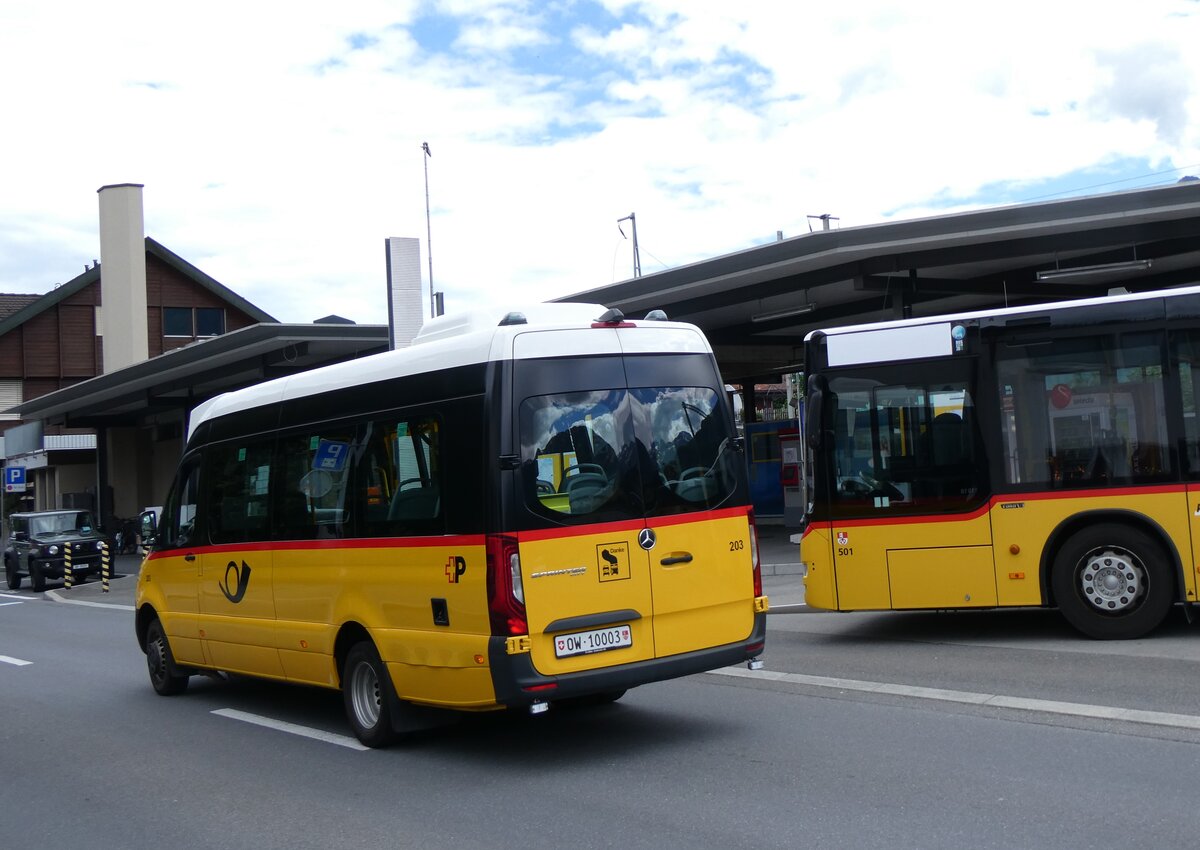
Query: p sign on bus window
[(14, 479)]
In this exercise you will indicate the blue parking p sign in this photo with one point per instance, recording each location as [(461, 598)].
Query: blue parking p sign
[(14, 479)]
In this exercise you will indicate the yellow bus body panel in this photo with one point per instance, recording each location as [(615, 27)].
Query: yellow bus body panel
[(297, 598), (391, 591), (169, 584), (989, 558), (1191, 567), (238, 636), (570, 576), (693, 590), (820, 582), (1026, 523), (861, 559), (954, 577), (708, 600)]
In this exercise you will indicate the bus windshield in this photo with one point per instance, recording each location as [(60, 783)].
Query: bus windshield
[(901, 445)]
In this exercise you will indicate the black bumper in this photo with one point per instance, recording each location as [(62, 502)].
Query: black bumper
[(57, 568), (514, 675)]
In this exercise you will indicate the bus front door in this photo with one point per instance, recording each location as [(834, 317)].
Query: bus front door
[(237, 611)]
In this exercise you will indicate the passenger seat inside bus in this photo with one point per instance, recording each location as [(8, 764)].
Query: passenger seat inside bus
[(586, 491), (415, 503), (296, 521), (951, 456)]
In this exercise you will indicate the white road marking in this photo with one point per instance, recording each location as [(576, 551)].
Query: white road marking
[(303, 731), (17, 602), (57, 597), (16, 662), (1072, 709)]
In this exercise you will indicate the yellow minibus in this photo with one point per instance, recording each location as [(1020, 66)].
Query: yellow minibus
[(518, 510)]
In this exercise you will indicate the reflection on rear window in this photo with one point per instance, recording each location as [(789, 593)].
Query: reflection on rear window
[(626, 453)]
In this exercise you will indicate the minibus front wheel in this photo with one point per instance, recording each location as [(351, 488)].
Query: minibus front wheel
[(163, 674), (367, 694)]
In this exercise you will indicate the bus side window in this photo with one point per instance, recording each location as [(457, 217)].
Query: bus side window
[(1186, 353), (179, 515), (313, 467), (398, 477), (1087, 411), (237, 486)]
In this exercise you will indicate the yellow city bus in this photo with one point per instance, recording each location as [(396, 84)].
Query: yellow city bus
[(515, 511), (1035, 456)]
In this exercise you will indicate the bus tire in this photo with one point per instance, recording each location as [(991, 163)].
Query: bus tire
[(1113, 582), (164, 677), (367, 695)]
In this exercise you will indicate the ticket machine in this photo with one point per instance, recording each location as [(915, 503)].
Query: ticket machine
[(791, 477)]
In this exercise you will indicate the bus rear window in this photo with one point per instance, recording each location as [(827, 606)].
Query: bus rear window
[(616, 454)]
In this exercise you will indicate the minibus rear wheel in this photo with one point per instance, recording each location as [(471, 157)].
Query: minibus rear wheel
[(366, 692)]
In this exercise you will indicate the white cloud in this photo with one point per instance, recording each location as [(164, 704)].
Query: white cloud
[(280, 142)]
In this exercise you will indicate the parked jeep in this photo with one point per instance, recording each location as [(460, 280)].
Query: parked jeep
[(38, 542)]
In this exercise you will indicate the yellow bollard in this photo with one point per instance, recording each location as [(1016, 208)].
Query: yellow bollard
[(105, 570), (68, 576)]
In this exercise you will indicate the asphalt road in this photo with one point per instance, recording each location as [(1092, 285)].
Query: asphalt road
[(863, 731)]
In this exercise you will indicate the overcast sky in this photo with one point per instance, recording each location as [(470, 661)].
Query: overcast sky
[(280, 142)]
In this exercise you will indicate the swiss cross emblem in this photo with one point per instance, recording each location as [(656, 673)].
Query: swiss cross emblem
[(843, 538)]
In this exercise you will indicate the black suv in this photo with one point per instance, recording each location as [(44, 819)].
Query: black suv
[(37, 545)]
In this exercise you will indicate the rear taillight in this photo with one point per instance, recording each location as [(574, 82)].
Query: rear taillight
[(754, 556), (506, 595)]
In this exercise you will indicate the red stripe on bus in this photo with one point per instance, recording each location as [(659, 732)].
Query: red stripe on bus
[(1094, 493), (450, 540), (630, 524), (1007, 498)]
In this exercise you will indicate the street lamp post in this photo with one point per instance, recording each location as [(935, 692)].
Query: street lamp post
[(637, 258)]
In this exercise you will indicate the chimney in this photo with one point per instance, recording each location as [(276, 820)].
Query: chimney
[(123, 312), (404, 290)]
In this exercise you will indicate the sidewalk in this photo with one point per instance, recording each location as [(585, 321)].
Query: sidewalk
[(782, 571), (782, 575), (122, 586)]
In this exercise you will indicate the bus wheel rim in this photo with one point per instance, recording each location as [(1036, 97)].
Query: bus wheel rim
[(1112, 580), (154, 657), (365, 695)]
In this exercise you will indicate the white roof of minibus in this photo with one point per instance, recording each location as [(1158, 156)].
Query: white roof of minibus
[(1005, 311), (461, 340)]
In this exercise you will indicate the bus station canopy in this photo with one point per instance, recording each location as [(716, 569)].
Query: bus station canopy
[(178, 380), (757, 305)]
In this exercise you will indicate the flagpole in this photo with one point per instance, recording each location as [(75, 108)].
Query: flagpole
[(428, 231)]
